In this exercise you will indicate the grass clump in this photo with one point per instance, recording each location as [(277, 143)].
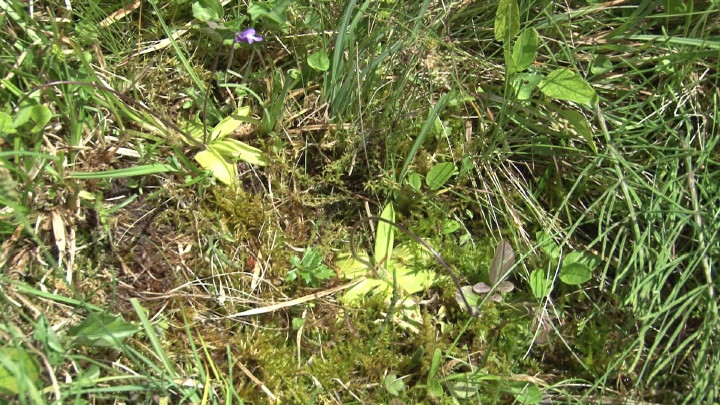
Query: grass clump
[(174, 202)]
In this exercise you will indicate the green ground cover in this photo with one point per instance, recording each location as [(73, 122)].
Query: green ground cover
[(359, 202)]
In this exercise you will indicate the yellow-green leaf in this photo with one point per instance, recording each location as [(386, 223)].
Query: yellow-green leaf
[(231, 123), (564, 84), (524, 50), (440, 174), (237, 150), (385, 236), (194, 129), (575, 273), (223, 170), (371, 286), (507, 20), (581, 126), (349, 267), (17, 369)]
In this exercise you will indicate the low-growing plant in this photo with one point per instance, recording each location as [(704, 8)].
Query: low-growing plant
[(310, 269)]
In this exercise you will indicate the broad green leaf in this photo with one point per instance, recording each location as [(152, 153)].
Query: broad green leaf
[(194, 129), (470, 295), (548, 245), (540, 284), (39, 114), (237, 150), (581, 125), (526, 393), (6, 124), (102, 330), (385, 237), (297, 323), (415, 181), (507, 20), (440, 174), (524, 84), (435, 388), (524, 50), (462, 389), (319, 61), (231, 123), (564, 84), (449, 226), (271, 12), (126, 172), (17, 369), (674, 6), (601, 64), (409, 279), (393, 385), (207, 10), (350, 268), (403, 266), (223, 170), (590, 260), (355, 294), (575, 273)]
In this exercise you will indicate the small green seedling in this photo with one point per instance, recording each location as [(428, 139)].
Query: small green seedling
[(576, 268), (310, 268), (502, 263)]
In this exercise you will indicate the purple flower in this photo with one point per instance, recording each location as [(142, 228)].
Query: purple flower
[(248, 36)]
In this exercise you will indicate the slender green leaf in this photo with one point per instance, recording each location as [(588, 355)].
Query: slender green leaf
[(440, 174), (126, 172), (581, 126), (150, 333), (102, 330), (507, 20), (433, 384), (385, 236), (427, 127)]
